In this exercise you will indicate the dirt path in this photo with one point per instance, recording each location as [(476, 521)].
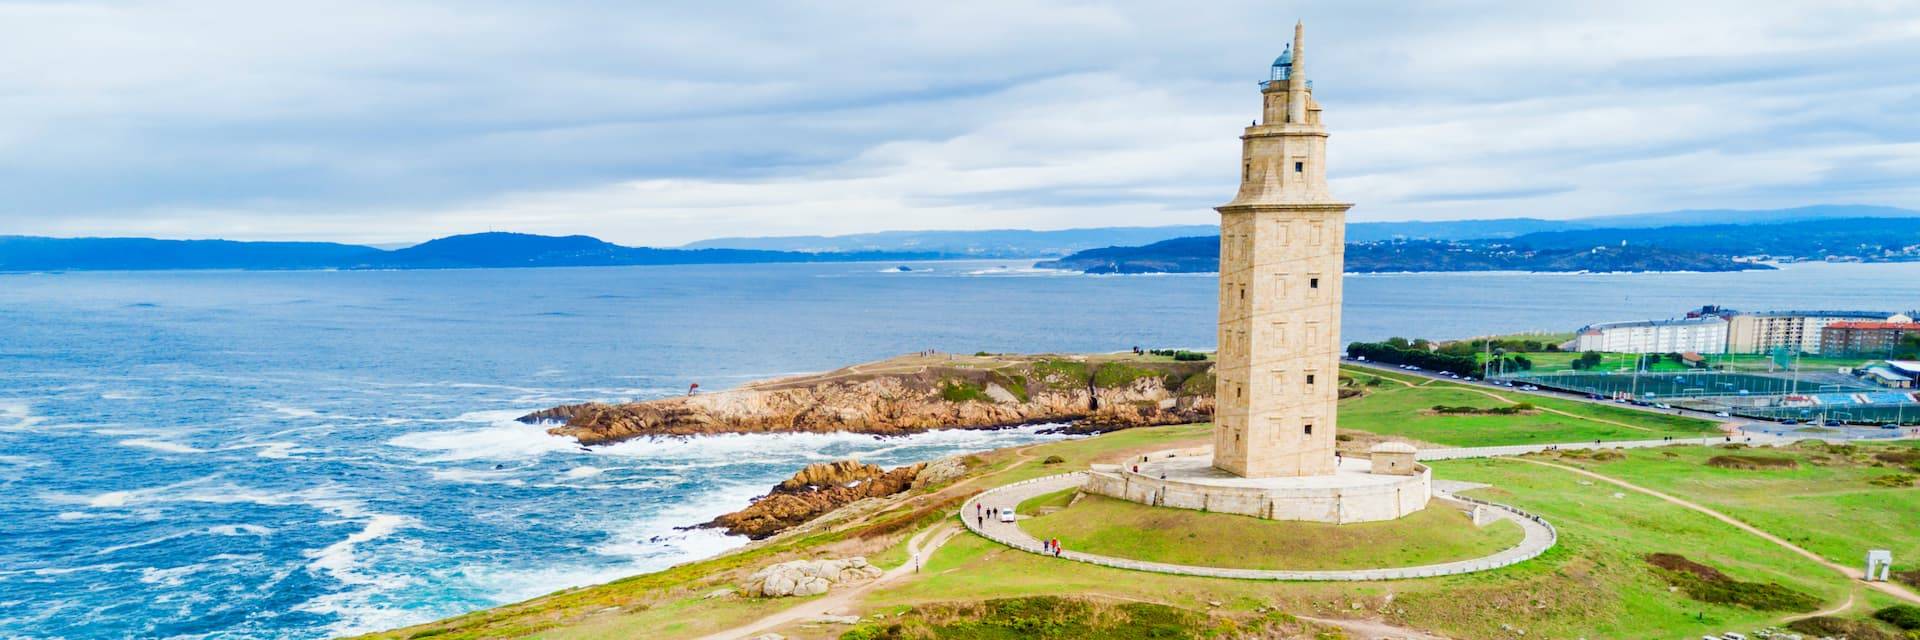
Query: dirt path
[(919, 548), (1371, 629), (1824, 612), (1575, 416), (1853, 573)]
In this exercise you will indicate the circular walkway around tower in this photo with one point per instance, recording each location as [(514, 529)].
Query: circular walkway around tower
[(1539, 536)]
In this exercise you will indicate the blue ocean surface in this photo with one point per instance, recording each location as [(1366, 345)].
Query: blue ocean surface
[(309, 454)]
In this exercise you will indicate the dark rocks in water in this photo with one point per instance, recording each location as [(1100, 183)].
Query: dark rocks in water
[(815, 490)]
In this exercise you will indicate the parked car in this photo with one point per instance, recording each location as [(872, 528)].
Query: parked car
[(1835, 423), (1006, 515), (1723, 414), (1890, 426), (1786, 421)]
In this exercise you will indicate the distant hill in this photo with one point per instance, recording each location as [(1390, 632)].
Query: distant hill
[(1866, 238), (480, 250), (1866, 232), (1014, 243), (995, 243), (1699, 217), (28, 253), (1202, 255), (1453, 229)]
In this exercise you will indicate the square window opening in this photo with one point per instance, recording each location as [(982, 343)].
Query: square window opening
[(1299, 167), (1313, 283), (1309, 429)]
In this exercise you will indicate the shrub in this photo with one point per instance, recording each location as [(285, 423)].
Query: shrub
[(1895, 481), (1388, 353), (1053, 460), (1708, 584), (1898, 457), (1113, 375), (1189, 356), (1905, 616), (1830, 627), (1061, 374), (1752, 463), (963, 391)]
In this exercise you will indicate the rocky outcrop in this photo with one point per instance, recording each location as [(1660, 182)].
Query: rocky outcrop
[(825, 486), (815, 490), (918, 393), (808, 577), (940, 471)]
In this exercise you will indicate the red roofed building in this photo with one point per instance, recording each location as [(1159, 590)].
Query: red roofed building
[(1841, 338)]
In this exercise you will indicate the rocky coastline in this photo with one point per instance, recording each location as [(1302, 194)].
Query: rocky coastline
[(913, 394), (910, 394), (823, 487)]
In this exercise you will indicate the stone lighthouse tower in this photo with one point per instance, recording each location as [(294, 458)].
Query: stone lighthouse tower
[(1281, 252)]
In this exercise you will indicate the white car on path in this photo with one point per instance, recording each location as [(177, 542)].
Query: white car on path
[(1006, 515)]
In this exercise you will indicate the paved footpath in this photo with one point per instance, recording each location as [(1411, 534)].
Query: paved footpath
[(1754, 439), (1540, 536)]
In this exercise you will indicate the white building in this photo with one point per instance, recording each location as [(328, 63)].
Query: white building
[(1697, 335)]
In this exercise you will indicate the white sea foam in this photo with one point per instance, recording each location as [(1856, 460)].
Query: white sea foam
[(354, 610), (239, 530), (505, 440), (474, 476), (161, 445), (17, 415), (292, 412), (338, 559), (584, 472), (111, 499)]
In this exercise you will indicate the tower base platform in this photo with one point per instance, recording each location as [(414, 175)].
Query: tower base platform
[(1188, 480)]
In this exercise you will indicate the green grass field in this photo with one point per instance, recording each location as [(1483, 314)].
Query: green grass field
[(1106, 526), (1399, 410)]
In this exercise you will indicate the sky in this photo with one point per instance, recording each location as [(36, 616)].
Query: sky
[(660, 123)]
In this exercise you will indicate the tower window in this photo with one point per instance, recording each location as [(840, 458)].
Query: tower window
[(1313, 283), (1299, 167), (1246, 171), (1309, 429), (1309, 378)]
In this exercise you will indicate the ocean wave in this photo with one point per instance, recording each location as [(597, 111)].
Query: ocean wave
[(356, 609), (475, 476), (17, 415), (581, 472), (505, 440), (161, 445)]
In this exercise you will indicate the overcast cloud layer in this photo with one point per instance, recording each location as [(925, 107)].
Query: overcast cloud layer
[(389, 121)]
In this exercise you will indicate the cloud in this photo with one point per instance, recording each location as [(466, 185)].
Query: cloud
[(660, 123)]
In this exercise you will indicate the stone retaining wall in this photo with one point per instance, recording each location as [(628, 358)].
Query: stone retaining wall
[(1540, 536)]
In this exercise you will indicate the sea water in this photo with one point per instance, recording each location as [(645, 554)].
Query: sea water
[(307, 454)]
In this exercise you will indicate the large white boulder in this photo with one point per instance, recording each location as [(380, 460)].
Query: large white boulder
[(808, 577), (939, 471)]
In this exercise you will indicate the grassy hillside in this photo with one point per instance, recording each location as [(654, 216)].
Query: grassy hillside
[(1598, 582)]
